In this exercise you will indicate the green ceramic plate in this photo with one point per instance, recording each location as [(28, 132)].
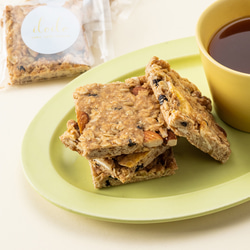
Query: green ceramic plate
[(201, 185)]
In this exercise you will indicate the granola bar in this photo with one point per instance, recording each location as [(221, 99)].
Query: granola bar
[(186, 111), (25, 65), (163, 165), (115, 119)]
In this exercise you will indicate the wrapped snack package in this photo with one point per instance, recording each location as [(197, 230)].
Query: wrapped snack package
[(50, 39)]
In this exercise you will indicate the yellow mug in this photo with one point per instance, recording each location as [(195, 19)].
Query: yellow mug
[(230, 89)]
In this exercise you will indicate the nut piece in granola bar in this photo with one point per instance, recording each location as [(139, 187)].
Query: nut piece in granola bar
[(26, 65), (186, 112), (113, 119), (163, 165)]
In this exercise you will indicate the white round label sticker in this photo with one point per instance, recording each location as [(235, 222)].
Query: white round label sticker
[(49, 30)]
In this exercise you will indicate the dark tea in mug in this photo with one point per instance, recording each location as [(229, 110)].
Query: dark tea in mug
[(230, 46)]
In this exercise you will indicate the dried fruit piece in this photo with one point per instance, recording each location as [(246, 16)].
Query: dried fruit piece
[(136, 90), (91, 94), (131, 143), (162, 98), (184, 124), (139, 167), (21, 68), (156, 82)]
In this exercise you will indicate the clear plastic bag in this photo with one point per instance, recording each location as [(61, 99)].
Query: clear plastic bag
[(122, 9), (46, 39)]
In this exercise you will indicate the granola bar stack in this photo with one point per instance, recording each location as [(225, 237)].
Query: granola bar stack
[(128, 130), (119, 128)]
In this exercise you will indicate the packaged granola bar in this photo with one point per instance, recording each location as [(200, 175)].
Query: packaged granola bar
[(46, 39)]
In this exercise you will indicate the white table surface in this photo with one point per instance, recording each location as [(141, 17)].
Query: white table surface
[(29, 222)]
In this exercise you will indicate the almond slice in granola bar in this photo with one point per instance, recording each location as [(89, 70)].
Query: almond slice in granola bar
[(152, 139), (82, 120)]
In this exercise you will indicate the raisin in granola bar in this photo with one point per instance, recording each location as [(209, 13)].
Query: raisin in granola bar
[(115, 119), (186, 111), (25, 65), (163, 165)]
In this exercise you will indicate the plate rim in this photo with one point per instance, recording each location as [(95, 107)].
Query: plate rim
[(179, 48)]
